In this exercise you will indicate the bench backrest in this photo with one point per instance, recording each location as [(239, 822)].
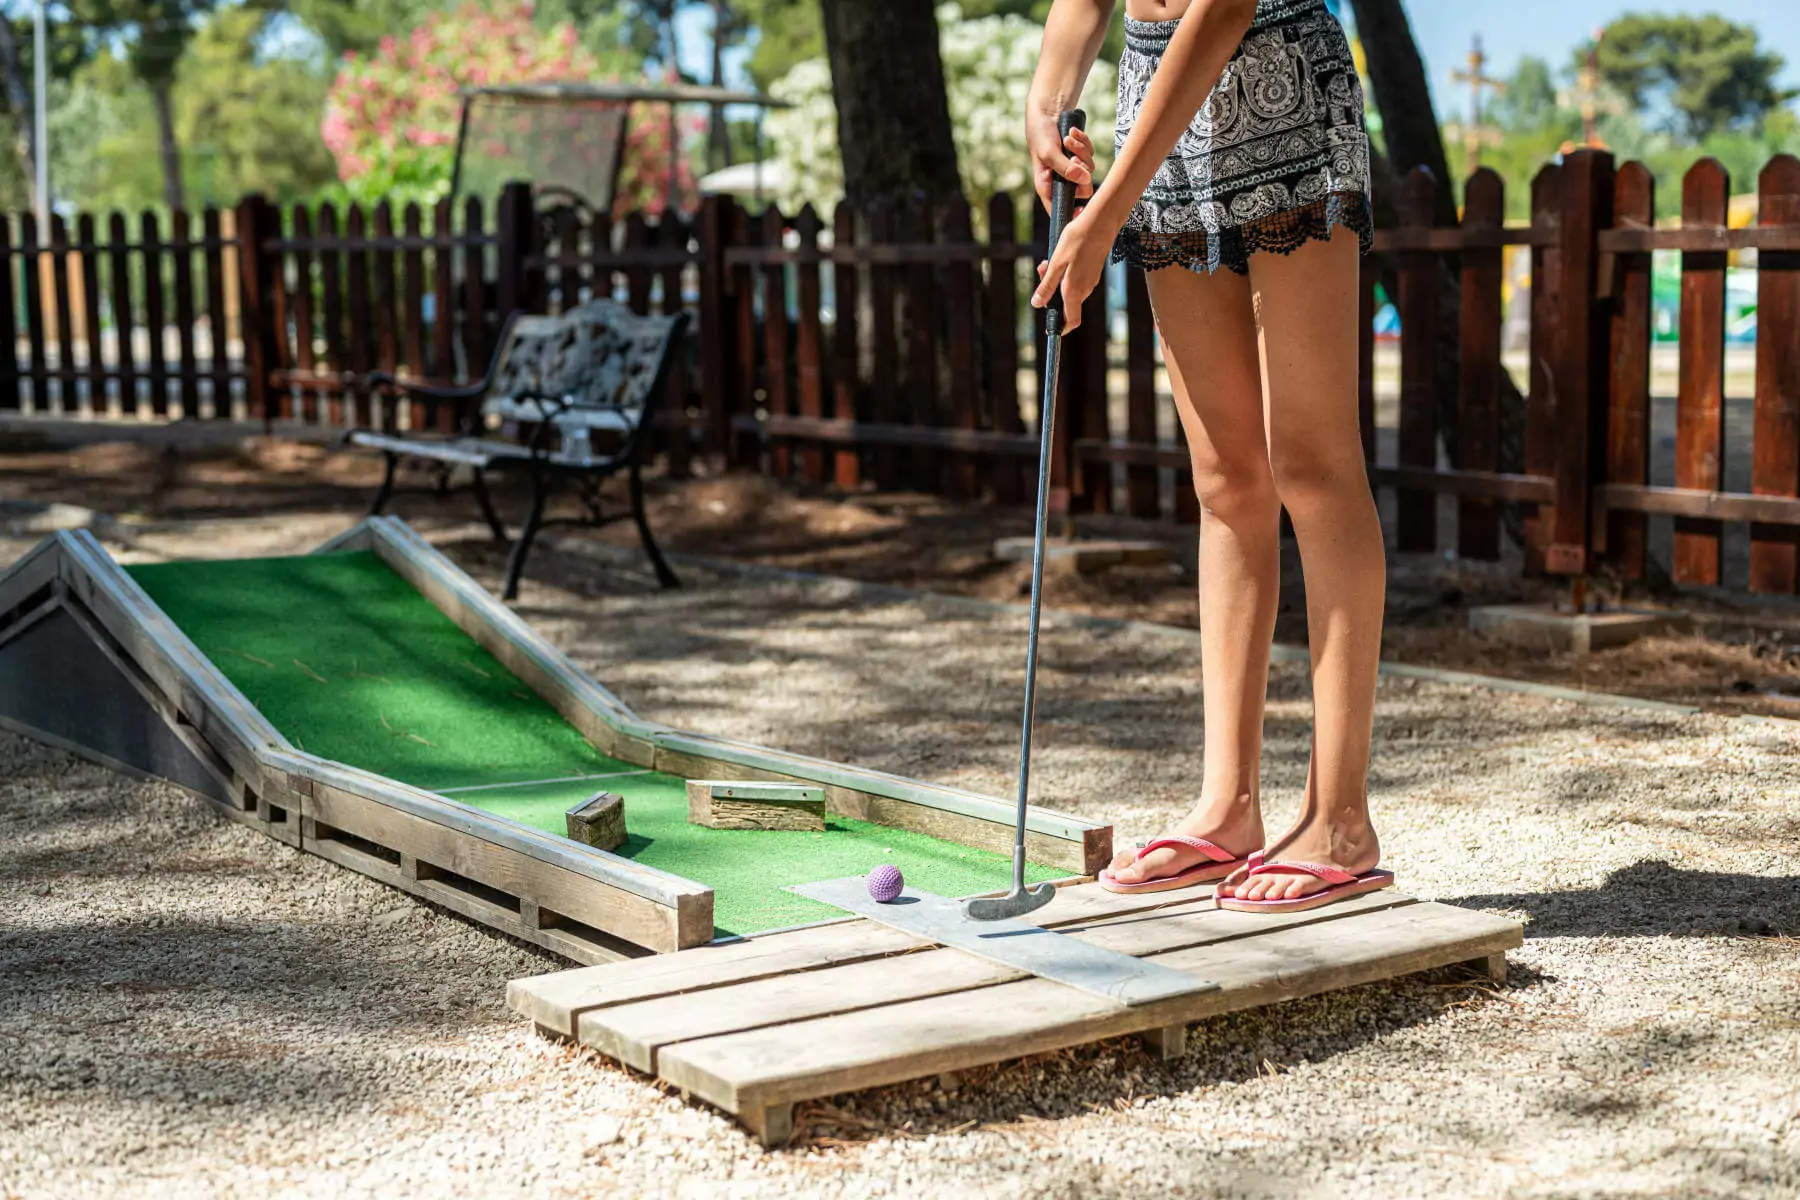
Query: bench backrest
[(597, 364)]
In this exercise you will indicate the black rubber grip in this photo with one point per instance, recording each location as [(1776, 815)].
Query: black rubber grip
[(1062, 205)]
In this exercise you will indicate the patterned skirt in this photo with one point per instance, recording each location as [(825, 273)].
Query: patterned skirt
[(1278, 155)]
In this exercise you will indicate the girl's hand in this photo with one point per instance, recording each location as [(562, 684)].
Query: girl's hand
[(1076, 266), (1071, 157)]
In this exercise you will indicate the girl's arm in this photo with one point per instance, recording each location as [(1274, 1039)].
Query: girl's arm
[(1209, 33), (1073, 33)]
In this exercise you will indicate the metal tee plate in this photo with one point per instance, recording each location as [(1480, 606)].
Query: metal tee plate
[(1045, 953)]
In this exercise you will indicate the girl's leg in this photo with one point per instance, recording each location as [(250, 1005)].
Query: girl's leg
[(1209, 344), (1305, 306)]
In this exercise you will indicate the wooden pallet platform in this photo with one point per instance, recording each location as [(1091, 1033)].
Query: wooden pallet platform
[(758, 1025)]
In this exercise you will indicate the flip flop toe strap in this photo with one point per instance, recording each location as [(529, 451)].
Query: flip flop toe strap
[(1180, 841), (1321, 871)]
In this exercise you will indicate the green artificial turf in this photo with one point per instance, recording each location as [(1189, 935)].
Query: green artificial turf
[(352, 664)]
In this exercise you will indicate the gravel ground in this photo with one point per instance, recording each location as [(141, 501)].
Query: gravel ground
[(187, 1008)]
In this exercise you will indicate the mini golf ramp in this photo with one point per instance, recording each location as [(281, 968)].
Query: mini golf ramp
[(758, 1026), (174, 671)]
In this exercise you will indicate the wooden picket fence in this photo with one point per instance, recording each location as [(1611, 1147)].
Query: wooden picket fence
[(893, 348)]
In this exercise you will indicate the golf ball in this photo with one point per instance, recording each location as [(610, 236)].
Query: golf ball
[(885, 883)]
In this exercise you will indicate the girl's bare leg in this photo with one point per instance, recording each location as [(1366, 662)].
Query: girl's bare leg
[(1209, 344), (1306, 332)]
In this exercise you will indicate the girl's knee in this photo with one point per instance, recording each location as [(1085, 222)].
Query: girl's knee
[(1233, 493)]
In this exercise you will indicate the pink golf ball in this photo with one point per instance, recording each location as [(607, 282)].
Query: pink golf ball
[(885, 884)]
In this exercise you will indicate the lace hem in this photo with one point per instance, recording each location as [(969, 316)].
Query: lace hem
[(1278, 233)]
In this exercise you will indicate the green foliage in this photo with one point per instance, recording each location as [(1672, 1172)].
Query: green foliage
[(1709, 74)]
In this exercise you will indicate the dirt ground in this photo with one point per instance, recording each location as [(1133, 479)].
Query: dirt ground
[(188, 1009), (1742, 654)]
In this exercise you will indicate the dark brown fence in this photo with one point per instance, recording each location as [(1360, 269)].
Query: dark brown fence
[(893, 348)]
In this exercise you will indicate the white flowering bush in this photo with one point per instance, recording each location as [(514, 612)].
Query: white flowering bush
[(988, 65)]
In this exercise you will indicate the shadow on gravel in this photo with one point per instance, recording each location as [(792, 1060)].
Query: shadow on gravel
[(1655, 899)]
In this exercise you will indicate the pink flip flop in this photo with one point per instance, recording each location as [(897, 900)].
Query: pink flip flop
[(1217, 864), (1342, 884)]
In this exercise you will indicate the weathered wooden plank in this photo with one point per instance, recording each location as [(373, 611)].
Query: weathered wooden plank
[(155, 322), (1628, 389), (1000, 321), (1418, 304), (31, 271), (961, 350), (743, 451), (304, 351), (747, 1071), (582, 898), (385, 298), (846, 471), (777, 378), (1540, 397), (9, 335), (1581, 371), (636, 1033), (218, 321), (187, 369), (555, 1001), (412, 297), (809, 345), (1775, 439), (884, 347), (443, 307), (923, 396), (1700, 402), (722, 804), (65, 323), (331, 285), (358, 401), (1478, 416), (476, 351), (87, 249), (672, 234)]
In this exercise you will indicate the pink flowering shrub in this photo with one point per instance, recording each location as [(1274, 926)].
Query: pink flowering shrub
[(390, 117)]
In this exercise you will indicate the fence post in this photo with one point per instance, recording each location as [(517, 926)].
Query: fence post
[(715, 333), (1775, 438), (256, 223), (1583, 326), (515, 223), (1628, 402)]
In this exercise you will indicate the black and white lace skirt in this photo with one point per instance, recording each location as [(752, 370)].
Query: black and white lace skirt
[(1278, 155)]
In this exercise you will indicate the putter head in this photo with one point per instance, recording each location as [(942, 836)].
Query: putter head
[(1014, 904)]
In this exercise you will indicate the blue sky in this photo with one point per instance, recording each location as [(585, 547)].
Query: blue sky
[(1549, 29), (1509, 29)]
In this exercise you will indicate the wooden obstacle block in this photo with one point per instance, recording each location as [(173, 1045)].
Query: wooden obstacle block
[(599, 821), (725, 804)]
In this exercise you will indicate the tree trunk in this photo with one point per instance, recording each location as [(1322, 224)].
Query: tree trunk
[(18, 100), (887, 79), (171, 155), (1412, 138)]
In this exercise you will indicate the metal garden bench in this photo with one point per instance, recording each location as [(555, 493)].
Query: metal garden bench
[(564, 399)]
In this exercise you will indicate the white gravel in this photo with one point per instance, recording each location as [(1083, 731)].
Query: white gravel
[(189, 1009)]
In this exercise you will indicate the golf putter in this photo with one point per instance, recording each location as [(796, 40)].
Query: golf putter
[(1022, 900)]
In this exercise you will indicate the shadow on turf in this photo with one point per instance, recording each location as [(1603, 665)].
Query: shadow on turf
[(1656, 899)]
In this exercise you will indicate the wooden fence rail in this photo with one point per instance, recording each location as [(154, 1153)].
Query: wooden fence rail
[(893, 348)]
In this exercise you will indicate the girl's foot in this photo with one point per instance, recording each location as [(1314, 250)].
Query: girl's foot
[(1349, 845), (1235, 828)]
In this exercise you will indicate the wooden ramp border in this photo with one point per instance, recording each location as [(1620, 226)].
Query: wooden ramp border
[(577, 901), (758, 1026)]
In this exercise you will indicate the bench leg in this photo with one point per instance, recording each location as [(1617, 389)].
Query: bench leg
[(664, 574), (387, 486), (515, 562), (480, 488)]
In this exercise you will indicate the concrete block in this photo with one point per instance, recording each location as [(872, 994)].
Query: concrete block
[(1542, 627)]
